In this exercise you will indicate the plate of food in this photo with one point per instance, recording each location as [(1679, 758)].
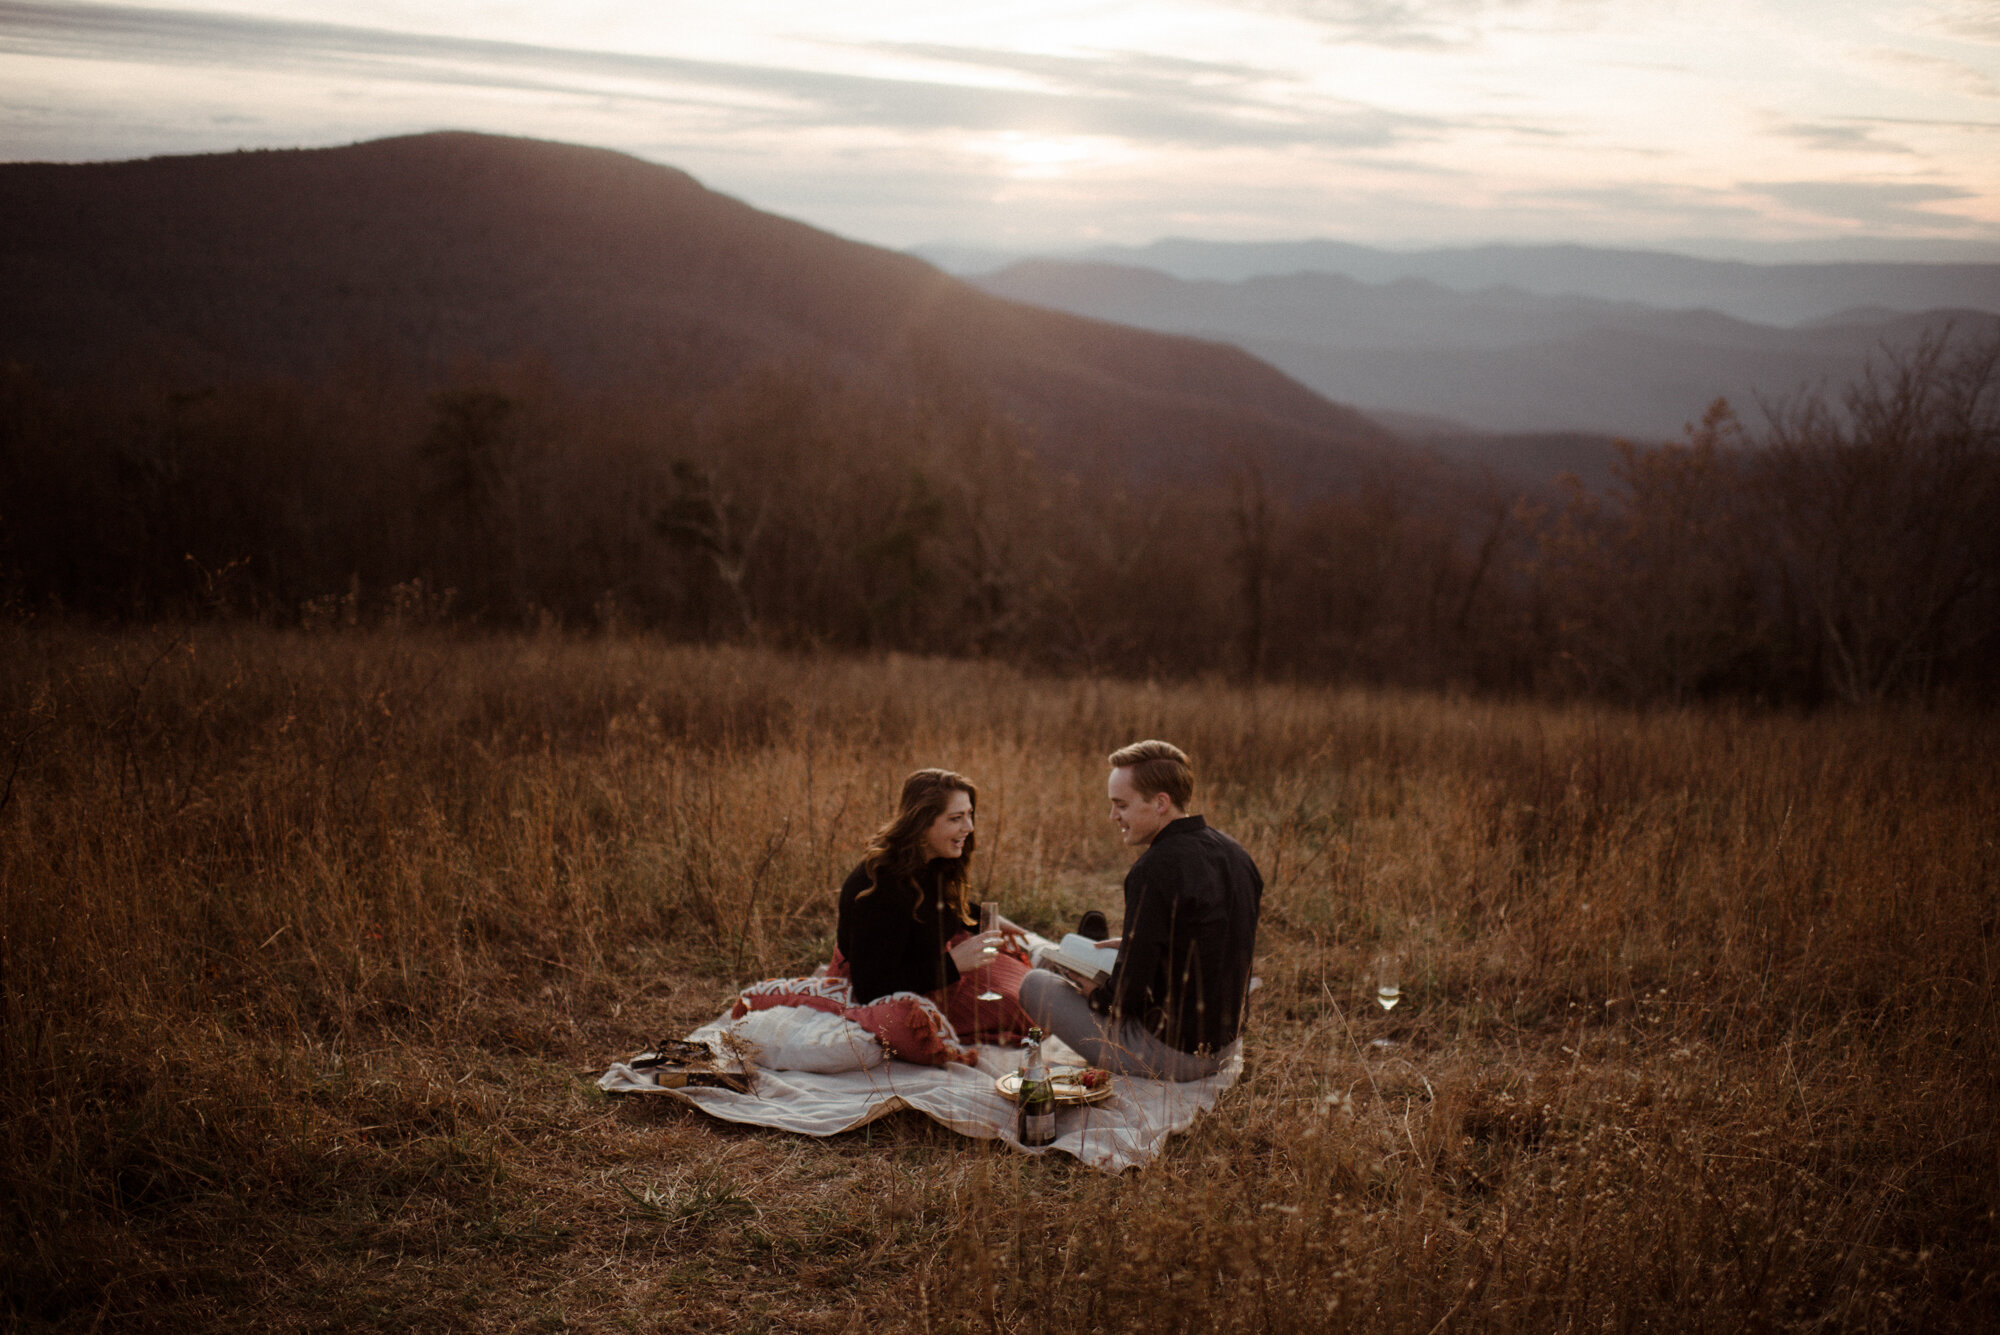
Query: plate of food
[(1074, 1084)]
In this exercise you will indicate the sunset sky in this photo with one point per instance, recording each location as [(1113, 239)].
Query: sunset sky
[(1394, 122)]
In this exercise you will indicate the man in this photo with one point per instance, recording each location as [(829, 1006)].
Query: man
[(1174, 1001)]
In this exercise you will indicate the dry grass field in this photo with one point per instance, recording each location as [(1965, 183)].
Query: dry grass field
[(308, 938)]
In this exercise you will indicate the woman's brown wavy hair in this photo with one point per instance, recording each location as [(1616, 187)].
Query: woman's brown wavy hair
[(899, 845)]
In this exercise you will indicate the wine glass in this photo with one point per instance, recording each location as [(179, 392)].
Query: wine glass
[(1388, 989), (1388, 982), (989, 922)]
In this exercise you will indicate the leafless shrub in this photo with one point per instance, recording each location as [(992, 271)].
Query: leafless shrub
[(1883, 502)]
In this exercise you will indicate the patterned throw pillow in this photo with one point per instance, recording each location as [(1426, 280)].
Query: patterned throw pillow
[(908, 1025)]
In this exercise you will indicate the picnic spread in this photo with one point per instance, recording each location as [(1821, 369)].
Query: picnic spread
[(792, 1054)]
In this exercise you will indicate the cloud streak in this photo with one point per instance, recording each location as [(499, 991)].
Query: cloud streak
[(1426, 25), (1872, 203), (1394, 121), (1144, 99), (1842, 137)]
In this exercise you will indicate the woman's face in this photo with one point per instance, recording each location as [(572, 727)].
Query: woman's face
[(947, 834)]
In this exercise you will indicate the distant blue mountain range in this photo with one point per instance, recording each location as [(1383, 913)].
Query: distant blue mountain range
[(1519, 338)]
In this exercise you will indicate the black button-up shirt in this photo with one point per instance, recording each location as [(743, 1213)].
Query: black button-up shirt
[(1191, 902)]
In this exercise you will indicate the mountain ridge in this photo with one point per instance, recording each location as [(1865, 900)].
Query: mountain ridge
[(427, 249)]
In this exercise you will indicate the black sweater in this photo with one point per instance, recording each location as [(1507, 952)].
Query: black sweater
[(894, 939), (1191, 902)]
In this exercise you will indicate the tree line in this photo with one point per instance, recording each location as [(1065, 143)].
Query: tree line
[(1841, 548)]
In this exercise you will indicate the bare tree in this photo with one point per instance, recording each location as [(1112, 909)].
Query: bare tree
[(1885, 507), (471, 457), (1254, 553), (705, 516), (1654, 586)]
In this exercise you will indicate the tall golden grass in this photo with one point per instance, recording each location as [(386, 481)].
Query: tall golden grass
[(307, 938)]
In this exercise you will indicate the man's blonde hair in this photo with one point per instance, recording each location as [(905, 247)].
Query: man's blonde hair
[(1158, 767)]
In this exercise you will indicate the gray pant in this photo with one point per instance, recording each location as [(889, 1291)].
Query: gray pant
[(1125, 1047)]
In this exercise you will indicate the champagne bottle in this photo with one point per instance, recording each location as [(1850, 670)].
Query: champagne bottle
[(1035, 1110)]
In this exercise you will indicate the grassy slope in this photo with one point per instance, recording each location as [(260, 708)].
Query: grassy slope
[(306, 940)]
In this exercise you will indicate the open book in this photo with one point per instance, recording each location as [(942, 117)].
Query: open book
[(1079, 959)]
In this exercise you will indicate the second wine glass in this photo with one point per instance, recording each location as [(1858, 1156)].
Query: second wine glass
[(1388, 990), (1388, 982)]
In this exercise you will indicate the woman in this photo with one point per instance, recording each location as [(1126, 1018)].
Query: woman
[(907, 925)]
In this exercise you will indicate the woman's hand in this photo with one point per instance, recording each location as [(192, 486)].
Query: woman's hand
[(970, 953)]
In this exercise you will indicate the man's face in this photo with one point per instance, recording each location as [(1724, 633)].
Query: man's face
[(1138, 818)]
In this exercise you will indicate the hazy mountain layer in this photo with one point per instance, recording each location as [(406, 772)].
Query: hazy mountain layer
[(1498, 359), (1781, 294)]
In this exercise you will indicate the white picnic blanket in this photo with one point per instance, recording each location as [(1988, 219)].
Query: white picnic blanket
[(1124, 1131)]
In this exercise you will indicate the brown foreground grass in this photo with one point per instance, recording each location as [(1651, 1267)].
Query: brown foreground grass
[(307, 939)]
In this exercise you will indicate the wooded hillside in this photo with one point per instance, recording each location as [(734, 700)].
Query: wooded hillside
[(498, 382), (426, 252)]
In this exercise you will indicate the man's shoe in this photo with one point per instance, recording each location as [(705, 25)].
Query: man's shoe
[(1093, 925)]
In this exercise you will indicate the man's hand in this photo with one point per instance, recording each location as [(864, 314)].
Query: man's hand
[(1111, 943)]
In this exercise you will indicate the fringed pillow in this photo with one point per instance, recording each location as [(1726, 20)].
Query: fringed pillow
[(909, 1025)]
